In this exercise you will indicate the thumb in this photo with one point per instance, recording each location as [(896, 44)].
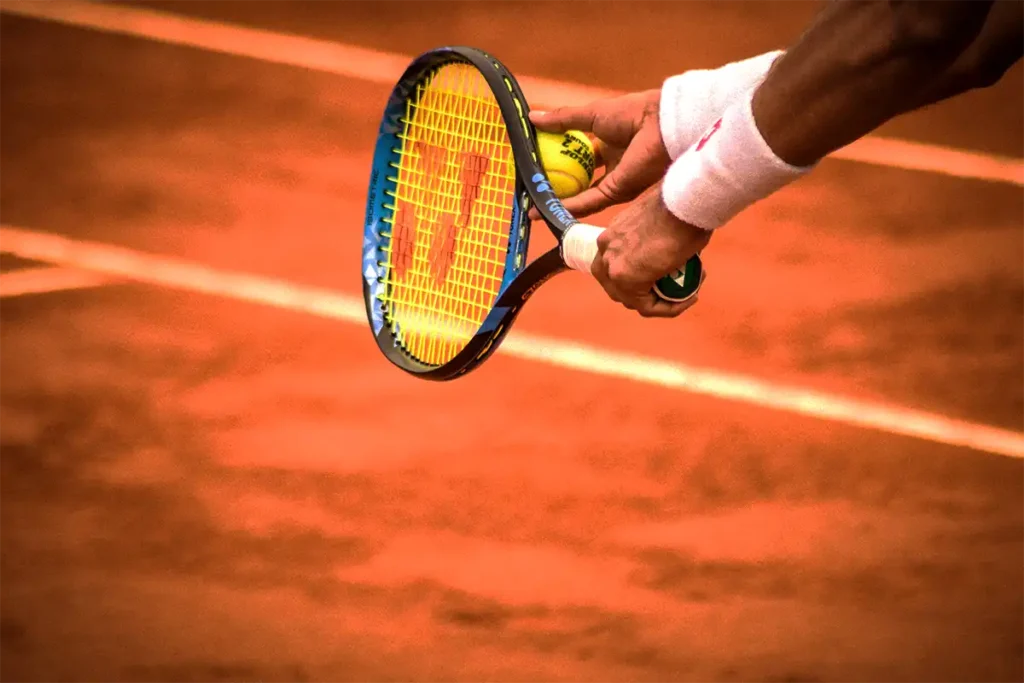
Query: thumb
[(588, 202), (631, 176), (592, 200), (565, 118)]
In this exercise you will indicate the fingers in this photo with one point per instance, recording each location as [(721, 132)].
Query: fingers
[(630, 294), (591, 200), (650, 305), (647, 304), (600, 153), (653, 307), (616, 187), (565, 118), (639, 167), (620, 184), (635, 296)]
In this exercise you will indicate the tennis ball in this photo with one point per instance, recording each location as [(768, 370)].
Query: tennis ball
[(568, 159)]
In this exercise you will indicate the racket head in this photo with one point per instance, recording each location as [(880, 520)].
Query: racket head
[(446, 232)]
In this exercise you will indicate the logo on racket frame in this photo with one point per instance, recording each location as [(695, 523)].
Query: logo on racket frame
[(553, 204)]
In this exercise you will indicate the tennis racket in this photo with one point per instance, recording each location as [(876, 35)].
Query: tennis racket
[(455, 170)]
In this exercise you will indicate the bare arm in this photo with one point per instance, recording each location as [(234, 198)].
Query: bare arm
[(642, 133), (998, 46), (860, 64)]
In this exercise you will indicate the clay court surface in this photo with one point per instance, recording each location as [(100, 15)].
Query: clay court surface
[(196, 488)]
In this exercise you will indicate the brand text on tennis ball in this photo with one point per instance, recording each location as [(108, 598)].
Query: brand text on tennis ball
[(568, 159)]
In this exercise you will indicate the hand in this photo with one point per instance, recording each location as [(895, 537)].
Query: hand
[(629, 143), (644, 243)]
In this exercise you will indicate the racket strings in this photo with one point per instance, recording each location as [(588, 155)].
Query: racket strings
[(452, 206)]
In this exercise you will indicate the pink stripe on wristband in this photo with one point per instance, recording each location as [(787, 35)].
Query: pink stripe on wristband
[(727, 170), (692, 101)]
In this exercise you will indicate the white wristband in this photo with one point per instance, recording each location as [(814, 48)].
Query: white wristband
[(730, 168), (692, 101)]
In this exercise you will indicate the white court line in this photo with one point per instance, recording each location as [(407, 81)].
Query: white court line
[(46, 280), (184, 275), (385, 68)]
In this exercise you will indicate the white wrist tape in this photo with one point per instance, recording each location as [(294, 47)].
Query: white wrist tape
[(692, 101), (730, 168)]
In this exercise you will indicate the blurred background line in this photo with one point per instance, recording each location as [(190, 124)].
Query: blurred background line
[(385, 68), (49, 279), (114, 261)]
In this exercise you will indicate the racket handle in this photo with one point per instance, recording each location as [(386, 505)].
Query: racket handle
[(579, 249)]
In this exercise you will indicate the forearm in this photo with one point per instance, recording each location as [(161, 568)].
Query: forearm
[(859, 65), (692, 100)]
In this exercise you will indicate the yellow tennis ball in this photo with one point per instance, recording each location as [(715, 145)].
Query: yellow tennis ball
[(568, 159)]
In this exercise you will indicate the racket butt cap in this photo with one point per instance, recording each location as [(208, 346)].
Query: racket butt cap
[(682, 284)]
